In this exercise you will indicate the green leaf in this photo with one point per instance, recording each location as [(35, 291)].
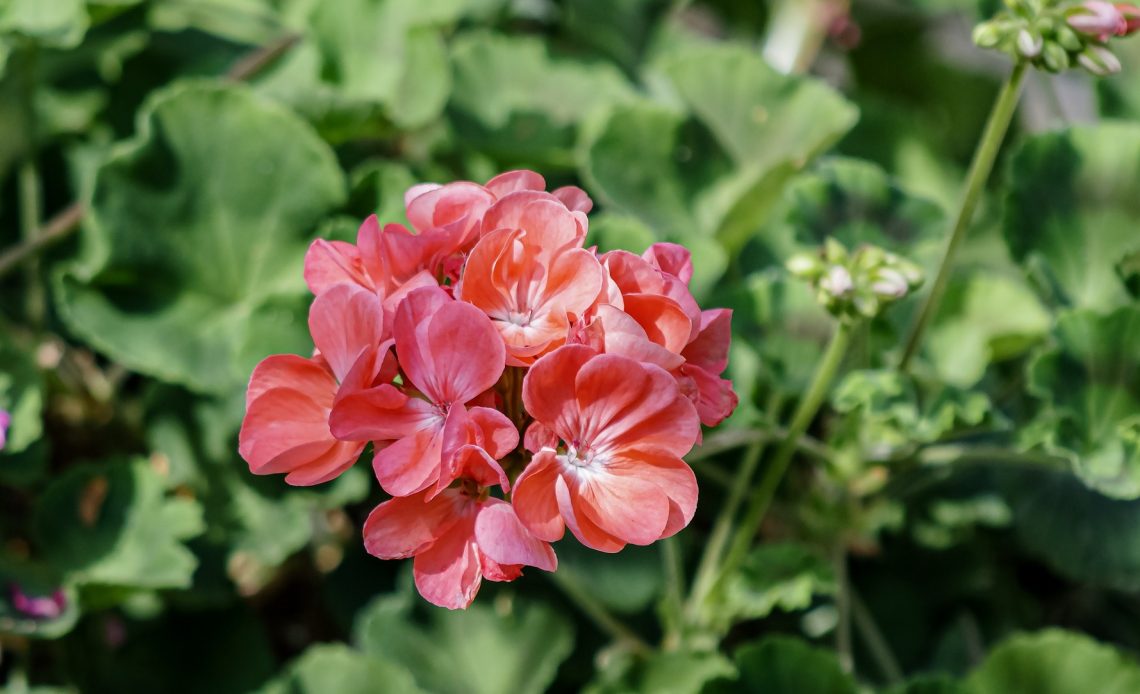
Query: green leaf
[(210, 208), (786, 665), (784, 576), (759, 116), (334, 667), (1090, 383), (1055, 662), (56, 23), (1079, 532), (856, 203), (21, 396), (626, 582), (519, 103), (673, 672), (889, 412), (486, 653), (984, 318), (1071, 211), (114, 525), (630, 161)]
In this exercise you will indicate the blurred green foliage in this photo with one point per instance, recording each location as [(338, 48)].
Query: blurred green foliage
[(984, 507)]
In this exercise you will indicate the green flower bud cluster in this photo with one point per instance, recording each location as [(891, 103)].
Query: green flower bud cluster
[(1038, 32), (855, 284)]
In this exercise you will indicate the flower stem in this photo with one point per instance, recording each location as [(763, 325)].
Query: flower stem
[(876, 643), (980, 168), (674, 570), (843, 607), (708, 569), (598, 613), (762, 496)]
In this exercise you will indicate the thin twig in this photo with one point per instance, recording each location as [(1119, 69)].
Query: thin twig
[(57, 228), (256, 61)]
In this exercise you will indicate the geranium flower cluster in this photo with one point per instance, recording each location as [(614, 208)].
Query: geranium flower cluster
[(512, 383)]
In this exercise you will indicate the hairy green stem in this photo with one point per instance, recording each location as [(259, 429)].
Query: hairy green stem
[(980, 168), (598, 613), (762, 496)]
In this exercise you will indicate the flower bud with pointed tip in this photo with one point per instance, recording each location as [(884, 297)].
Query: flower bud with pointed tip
[(837, 281), (1068, 39), (1056, 58), (1029, 44), (889, 283), (988, 35), (1099, 61), (805, 265)]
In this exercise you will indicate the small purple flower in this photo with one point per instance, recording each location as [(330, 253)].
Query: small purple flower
[(37, 606), (5, 420)]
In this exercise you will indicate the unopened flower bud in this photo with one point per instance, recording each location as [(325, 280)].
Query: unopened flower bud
[(1099, 61), (1069, 39), (1097, 18), (988, 35), (1029, 44), (1056, 58), (5, 420), (890, 284), (805, 265), (837, 281)]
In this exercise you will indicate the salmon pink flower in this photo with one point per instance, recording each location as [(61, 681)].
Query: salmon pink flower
[(617, 478), (289, 399), (531, 275), (660, 323), (458, 538), (450, 354)]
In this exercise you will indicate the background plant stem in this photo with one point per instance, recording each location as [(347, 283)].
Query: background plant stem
[(598, 613), (980, 168), (762, 496)]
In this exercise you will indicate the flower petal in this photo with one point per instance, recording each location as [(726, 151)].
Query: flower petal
[(533, 498), (548, 388), (404, 526), (412, 463), (293, 372), (345, 321), (449, 349), (625, 501), (585, 530), (448, 572), (503, 538)]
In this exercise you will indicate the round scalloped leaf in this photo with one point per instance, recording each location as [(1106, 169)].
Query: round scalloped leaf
[(113, 524), (194, 246), (1055, 662), (718, 165), (1090, 382), (334, 667), (786, 665), (1071, 211), (486, 652)]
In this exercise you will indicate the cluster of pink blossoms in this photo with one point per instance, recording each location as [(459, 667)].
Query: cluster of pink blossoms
[(489, 349)]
